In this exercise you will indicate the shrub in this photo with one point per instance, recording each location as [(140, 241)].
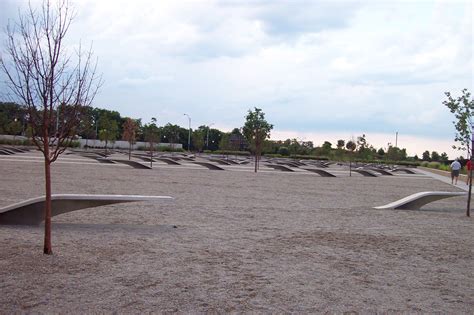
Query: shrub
[(309, 157), (228, 152), (283, 151)]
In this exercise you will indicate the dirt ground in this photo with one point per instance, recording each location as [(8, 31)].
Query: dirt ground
[(234, 241)]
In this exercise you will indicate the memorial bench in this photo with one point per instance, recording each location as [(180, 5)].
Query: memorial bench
[(418, 200), (31, 211)]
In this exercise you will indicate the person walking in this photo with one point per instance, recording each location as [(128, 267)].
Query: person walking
[(455, 167), (468, 169)]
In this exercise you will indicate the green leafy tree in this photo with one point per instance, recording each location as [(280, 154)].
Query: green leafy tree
[(256, 130), (224, 143), (364, 149), (173, 134), (109, 131), (444, 157), (351, 146), (87, 126), (327, 147), (284, 151), (198, 138), (15, 127), (213, 139), (340, 144), (435, 156), (463, 109), (396, 154), (381, 152), (237, 140), (426, 156), (361, 142), (8, 113), (340, 148)]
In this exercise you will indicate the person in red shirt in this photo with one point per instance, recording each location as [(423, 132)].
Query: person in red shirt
[(468, 168)]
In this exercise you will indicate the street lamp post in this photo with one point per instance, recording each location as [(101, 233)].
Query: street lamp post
[(207, 136), (189, 133)]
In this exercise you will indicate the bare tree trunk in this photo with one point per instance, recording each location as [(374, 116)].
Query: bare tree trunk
[(129, 151), (256, 159), (47, 206), (468, 210), (151, 154)]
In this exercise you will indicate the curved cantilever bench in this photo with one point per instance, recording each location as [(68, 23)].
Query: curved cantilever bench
[(6, 152), (133, 164), (418, 200), (292, 164), (406, 170), (279, 167), (365, 173), (209, 166), (220, 161), (381, 171), (31, 211), (323, 173), (167, 161)]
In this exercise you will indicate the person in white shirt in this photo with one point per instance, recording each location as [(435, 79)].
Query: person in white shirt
[(455, 167)]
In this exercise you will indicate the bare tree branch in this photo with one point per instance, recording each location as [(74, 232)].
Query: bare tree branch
[(52, 83)]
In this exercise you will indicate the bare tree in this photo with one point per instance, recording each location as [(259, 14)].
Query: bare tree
[(152, 136), (351, 146), (53, 84), (129, 134)]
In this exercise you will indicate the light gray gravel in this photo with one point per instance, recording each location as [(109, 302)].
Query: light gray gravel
[(271, 242)]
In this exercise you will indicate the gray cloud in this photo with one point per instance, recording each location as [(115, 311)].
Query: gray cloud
[(288, 19)]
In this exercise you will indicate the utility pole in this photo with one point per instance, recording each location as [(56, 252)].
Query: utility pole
[(396, 139)]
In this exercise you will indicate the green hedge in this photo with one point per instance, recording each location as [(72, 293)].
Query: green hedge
[(389, 162), (309, 157), (436, 165), (228, 152)]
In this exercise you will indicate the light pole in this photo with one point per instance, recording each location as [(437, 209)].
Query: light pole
[(189, 133), (207, 136)]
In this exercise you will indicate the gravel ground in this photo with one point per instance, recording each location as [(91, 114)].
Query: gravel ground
[(234, 241)]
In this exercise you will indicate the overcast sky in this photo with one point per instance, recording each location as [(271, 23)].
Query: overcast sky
[(320, 70)]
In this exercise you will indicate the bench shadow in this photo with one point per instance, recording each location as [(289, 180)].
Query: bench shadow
[(123, 228)]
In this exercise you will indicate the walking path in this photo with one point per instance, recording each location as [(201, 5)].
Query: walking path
[(446, 178)]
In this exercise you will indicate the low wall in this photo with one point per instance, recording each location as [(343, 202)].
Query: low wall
[(120, 144)]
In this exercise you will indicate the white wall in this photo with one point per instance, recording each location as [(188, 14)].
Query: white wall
[(120, 144), (101, 144)]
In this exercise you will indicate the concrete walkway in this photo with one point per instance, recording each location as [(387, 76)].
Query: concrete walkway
[(447, 179)]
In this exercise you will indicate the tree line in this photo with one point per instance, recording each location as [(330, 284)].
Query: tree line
[(109, 126), (56, 89)]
